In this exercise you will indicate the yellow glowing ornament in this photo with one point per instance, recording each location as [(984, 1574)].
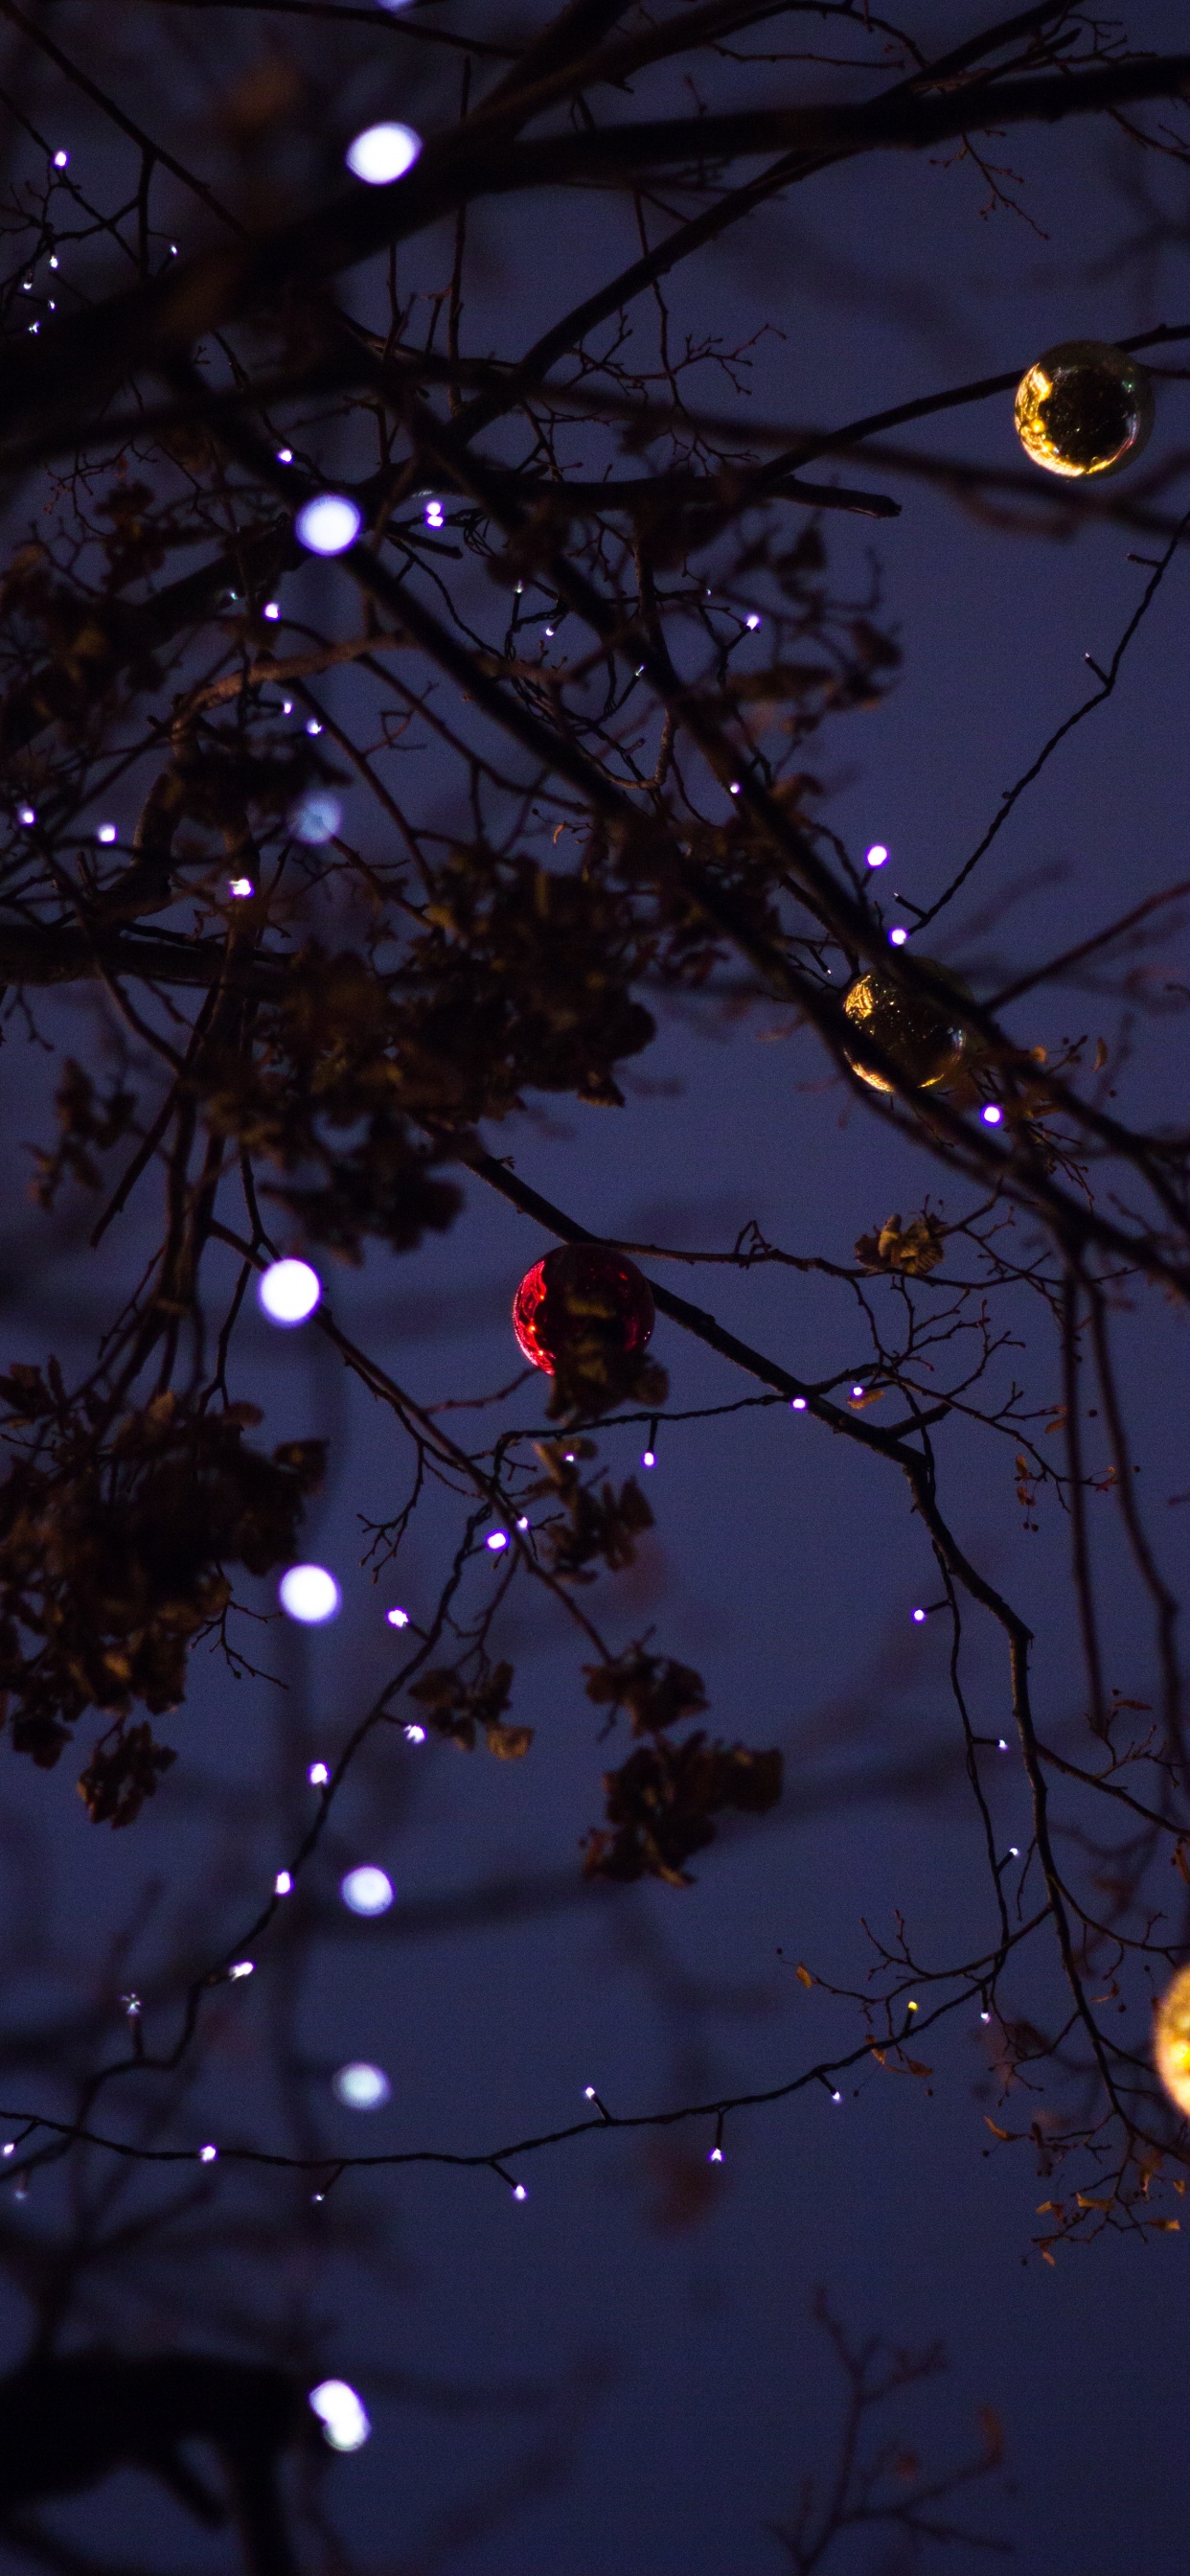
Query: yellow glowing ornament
[(1084, 408), (915, 1034), (1171, 2040)]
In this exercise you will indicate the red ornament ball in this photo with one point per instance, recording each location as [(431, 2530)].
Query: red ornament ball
[(582, 1293)]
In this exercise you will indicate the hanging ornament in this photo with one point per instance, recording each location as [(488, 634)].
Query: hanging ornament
[(915, 1034), (583, 1309), (1084, 408), (1171, 2040)]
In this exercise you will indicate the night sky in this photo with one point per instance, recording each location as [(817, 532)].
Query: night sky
[(623, 2371)]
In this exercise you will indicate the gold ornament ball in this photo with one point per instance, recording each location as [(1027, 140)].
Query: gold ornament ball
[(1171, 2040), (914, 1034), (1084, 408)]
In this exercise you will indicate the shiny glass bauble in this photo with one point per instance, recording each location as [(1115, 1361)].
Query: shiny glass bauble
[(581, 1302), (1084, 408), (916, 1035), (1171, 2040)]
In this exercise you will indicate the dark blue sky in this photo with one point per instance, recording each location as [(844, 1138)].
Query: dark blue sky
[(630, 2393)]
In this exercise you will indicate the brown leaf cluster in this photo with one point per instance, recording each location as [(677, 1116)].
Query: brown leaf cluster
[(916, 1248), (458, 1709), (661, 1802), (115, 1536), (601, 1526)]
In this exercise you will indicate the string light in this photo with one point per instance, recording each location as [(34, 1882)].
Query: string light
[(318, 1775), (61, 160), (648, 1457), (240, 887), (242, 1968), (107, 832), (991, 1115), (309, 1594), (382, 153), (415, 1735), (207, 2155), (434, 515), (836, 2097), (283, 1883), (897, 938), (342, 2415), (877, 855), (752, 622), (523, 1522), (316, 817), (367, 1890), (312, 725), (288, 1291), (919, 1615), (328, 524), (1002, 1745), (716, 2156), (519, 2192), (397, 1618), (9, 2148), (496, 1540), (798, 1405), (285, 456), (361, 2087), (271, 609), (26, 815)]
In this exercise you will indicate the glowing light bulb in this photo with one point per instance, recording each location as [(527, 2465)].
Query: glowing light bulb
[(897, 938), (26, 815), (242, 1968), (836, 2097), (271, 609), (343, 2417), (367, 1890), (315, 818), (1002, 1746), (9, 2148), (752, 622), (107, 832), (519, 2192), (312, 725), (361, 2087), (496, 1540), (397, 1618), (285, 456), (240, 887), (434, 515), (716, 2156), (919, 1615), (328, 524), (309, 1594), (318, 1775), (648, 1457), (991, 1115), (1084, 407), (588, 2096), (61, 160), (207, 2155), (415, 1735), (288, 1291), (382, 153), (523, 1522), (798, 1405), (283, 1883), (877, 855)]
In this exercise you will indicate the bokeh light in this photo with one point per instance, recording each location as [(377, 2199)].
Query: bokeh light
[(309, 1594), (342, 2415), (367, 1890), (288, 1291), (361, 2087), (328, 524), (382, 153)]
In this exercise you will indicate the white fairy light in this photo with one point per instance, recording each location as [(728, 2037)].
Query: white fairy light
[(242, 1968), (1013, 1852), (519, 2192), (288, 1291), (343, 2417), (283, 1883), (312, 725), (361, 2087), (716, 2156), (61, 160), (318, 1775), (836, 2097), (588, 2092), (752, 622), (734, 788), (9, 2148), (991, 1115), (328, 524), (648, 1457), (496, 1540), (53, 259), (207, 2155), (315, 818), (415, 1735), (397, 1618), (367, 1890), (985, 2016), (1002, 1744), (309, 1594), (285, 456), (382, 153), (877, 855), (240, 888), (107, 832), (434, 515), (919, 1615), (26, 815), (272, 608), (287, 706), (798, 1405), (523, 1522), (897, 938)]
